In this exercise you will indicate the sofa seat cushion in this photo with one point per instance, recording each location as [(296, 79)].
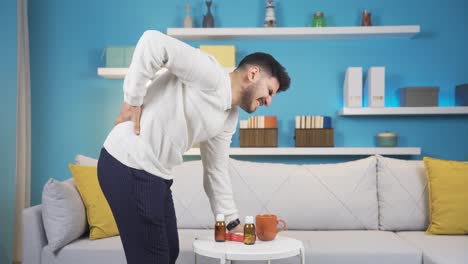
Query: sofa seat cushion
[(326, 247), (439, 249), (356, 247), (84, 250)]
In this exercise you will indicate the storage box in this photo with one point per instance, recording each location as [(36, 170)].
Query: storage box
[(314, 137), (375, 86), (259, 137), (419, 96), (119, 56), (224, 54), (461, 95), (128, 55), (352, 87)]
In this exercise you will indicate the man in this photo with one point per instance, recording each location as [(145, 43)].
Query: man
[(193, 101)]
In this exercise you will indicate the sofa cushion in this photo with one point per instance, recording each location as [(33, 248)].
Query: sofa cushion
[(320, 197), (63, 213), (439, 249), (356, 247), (448, 196), (402, 194), (326, 247), (100, 218), (85, 160), (326, 196)]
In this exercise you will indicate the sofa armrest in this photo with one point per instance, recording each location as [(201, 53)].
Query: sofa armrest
[(34, 237)]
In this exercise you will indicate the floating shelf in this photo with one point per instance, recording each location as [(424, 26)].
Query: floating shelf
[(295, 33), (437, 110), (119, 73), (314, 151)]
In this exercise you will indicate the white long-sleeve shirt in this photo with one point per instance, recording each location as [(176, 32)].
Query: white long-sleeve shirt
[(187, 102)]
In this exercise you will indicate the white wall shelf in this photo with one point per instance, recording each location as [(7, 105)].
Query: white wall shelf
[(349, 151), (119, 73), (436, 110), (294, 33)]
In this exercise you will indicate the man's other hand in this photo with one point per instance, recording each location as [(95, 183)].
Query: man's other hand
[(132, 113), (238, 229)]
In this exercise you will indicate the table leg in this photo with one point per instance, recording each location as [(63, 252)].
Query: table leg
[(269, 261), (195, 258), (302, 256), (222, 260)]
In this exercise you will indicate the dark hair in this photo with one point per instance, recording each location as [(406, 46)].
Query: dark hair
[(270, 65)]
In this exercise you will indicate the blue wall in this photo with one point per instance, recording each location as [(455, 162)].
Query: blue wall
[(8, 128), (74, 109)]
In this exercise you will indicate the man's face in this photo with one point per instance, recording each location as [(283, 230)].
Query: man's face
[(260, 92)]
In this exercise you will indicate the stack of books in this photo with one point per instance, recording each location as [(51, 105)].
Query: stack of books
[(313, 122), (259, 122), (314, 131), (259, 131)]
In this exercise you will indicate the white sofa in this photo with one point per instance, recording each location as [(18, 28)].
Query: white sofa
[(372, 210)]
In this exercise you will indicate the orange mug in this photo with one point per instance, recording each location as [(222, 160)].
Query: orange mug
[(266, 226)]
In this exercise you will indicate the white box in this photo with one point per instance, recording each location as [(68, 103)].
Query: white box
[(352, 87), (375, 86)]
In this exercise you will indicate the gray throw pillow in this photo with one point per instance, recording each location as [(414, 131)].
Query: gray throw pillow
[(63, 213)]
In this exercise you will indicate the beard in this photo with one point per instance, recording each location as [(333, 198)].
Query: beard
[(247, 100)]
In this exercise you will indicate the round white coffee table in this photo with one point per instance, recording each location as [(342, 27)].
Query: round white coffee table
[(280, 248)]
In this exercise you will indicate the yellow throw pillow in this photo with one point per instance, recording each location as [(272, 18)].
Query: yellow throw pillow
[(448, 196), (100, 218)]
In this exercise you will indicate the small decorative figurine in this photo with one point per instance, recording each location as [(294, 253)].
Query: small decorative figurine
[(208, 19), (270, 20), (188, 22), (366, 19)]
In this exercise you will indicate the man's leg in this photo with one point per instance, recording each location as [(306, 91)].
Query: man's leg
[(151, 201), (171, 227)]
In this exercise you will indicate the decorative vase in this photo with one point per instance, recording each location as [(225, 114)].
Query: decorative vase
[(270, 20), (366, 19), (208, 19), (188, 22)]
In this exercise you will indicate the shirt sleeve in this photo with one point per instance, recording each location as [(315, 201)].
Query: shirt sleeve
[(216, 180), (155, 51)]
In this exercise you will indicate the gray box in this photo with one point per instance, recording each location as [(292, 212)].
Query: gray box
[(419, 96), (461, 95)]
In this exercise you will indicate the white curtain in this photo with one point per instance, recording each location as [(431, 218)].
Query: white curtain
[(23, 123)]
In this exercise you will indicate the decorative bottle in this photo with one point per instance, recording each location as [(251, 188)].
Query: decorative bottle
[(208, 19), (319, 20), (220, 228), (270, 20), (188, 22), (366, 19), (249, 231)]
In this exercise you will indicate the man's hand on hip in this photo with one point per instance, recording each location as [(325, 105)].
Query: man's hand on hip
[(132, 113)]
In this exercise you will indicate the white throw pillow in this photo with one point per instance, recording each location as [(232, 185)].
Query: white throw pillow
[(85, 161), (63, 213), (403, 197)]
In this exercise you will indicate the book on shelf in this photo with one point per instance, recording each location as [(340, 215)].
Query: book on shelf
[(259, 122), (315, 121)]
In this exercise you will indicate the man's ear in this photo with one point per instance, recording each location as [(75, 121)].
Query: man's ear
[(253, 73)]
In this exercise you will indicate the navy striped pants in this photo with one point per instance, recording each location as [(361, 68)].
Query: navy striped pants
[(143, 210)]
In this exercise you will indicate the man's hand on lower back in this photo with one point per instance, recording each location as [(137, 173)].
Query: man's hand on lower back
[(132, 113)]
